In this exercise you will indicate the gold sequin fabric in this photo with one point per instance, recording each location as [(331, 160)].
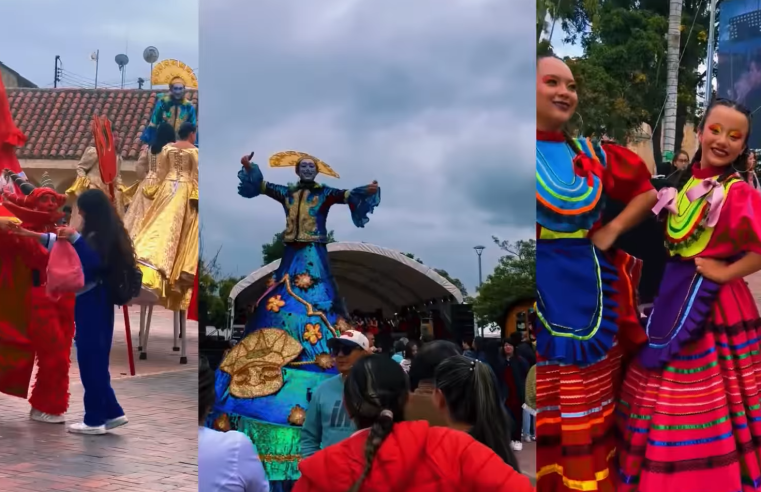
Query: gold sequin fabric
[(255, 365), (167, 239), (145, 192), (88, 178)]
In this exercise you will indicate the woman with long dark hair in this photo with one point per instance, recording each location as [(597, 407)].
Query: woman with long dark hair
[(107, 258), (389, 454), (585, 308), (690, 408), (466, 392)]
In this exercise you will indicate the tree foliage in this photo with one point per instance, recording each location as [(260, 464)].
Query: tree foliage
[(514, 276), (275, 249), (622, 74)]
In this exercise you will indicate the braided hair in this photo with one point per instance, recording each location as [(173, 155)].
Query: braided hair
[(206, 392), (679, 179), (375, 393), (470, 390)]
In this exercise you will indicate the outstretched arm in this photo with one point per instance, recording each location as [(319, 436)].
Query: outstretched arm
[(361, 201)]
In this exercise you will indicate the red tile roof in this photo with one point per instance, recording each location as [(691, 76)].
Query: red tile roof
[(57, 121)]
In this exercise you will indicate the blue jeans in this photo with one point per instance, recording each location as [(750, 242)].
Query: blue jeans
[(529, 425)]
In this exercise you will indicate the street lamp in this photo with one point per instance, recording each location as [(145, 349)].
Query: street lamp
[(479, 251)]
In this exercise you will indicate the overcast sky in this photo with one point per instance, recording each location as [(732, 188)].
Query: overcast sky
[(433, 99), (35, 31)]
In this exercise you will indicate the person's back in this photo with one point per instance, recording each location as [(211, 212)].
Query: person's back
[(415, 457), (228, 462)]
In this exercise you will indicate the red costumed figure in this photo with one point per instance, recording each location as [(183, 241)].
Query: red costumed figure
[(48, 324)]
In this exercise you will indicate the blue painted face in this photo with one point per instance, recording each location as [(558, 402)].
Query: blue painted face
[(177, 90), (307, 170)]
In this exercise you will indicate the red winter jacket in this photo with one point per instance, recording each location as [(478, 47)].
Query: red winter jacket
[(415, 457)]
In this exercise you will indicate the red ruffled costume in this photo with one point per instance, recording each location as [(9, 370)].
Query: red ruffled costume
[(31, 323)]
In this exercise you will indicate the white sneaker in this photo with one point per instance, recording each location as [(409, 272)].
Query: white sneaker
[(117, 422), (82, 428), (46, 418), (516, 445)]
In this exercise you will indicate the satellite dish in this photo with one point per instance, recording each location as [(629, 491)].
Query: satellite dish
[(151, 54), (121, 60)]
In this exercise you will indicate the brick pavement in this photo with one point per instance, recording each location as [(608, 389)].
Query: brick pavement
[(156, 451), (526, 460)]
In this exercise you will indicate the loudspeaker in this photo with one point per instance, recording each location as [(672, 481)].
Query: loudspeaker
[(463, 321)]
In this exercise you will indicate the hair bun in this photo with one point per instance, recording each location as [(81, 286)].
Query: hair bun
[(387, 414)]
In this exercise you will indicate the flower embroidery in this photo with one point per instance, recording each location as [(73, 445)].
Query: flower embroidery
[(222, 423), (297, 416), (312, 333), (274, 304), (303, 281)]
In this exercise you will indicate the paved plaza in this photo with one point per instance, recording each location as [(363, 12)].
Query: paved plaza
[(156, 451)]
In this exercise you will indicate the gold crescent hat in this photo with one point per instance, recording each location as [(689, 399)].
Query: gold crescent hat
[(291, 158), (167, 71)]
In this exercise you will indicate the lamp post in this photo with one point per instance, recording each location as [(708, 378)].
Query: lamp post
[(479, 251)]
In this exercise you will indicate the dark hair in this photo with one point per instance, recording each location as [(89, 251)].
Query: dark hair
[(206, 392), (678, 180), (515, 339), (185, 130), (67, 209), (426, 338), (470, 390), (399, 346), (104, 232), (164, 134), (428, 358), (375, 393), (684, 153), (409, 349)]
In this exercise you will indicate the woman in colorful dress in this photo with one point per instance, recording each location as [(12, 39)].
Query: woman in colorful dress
[(586, 310), (690, 406)]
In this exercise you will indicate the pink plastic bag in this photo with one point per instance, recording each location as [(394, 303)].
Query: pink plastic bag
[(65, 275)]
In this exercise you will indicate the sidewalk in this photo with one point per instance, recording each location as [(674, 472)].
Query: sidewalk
[(156, 451), (527, 460)]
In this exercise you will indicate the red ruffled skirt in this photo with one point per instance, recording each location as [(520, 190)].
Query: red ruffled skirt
[(695, 426), (575, 423)]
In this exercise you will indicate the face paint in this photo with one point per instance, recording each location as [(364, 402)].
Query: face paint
[(307, 170), (178, 91)]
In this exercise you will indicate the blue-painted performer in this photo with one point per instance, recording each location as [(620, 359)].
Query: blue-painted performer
[(264, 382), (174, 107)]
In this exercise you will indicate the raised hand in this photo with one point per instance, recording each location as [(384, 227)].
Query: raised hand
[(373, 187), (245, 161)]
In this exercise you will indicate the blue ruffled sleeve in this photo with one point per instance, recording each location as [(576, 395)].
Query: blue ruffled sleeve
[(362, 203), (252, 184)]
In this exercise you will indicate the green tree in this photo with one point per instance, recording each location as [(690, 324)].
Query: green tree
[(514, 276), (214, 288), (454, 281), (622, 75), (275, 249)]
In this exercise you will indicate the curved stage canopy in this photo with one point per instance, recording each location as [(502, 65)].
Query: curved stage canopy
[(369, 278)]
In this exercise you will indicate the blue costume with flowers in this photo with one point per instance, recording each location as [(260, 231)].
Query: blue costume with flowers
[(263, 384)]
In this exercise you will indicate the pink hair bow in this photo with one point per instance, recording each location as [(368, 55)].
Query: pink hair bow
[(715, 200), (666, 200)]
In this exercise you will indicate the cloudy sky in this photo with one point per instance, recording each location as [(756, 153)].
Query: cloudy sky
[(433, 99), (35, 31)]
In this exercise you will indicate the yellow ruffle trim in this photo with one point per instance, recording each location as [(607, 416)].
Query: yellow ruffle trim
[(80, 184), (153, 281)]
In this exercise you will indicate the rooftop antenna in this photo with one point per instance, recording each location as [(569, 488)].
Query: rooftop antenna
[(122, 61), (151, 55)]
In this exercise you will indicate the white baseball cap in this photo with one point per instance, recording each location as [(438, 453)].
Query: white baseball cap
[(350, 337)]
